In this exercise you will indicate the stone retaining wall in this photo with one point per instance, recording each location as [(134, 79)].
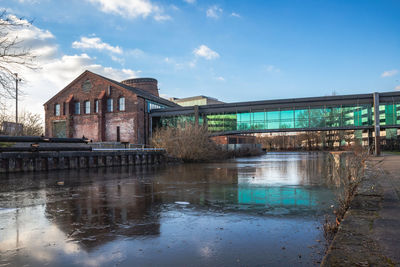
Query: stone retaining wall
[(44, 161)]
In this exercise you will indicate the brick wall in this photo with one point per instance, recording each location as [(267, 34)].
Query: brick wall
[(101, 126)]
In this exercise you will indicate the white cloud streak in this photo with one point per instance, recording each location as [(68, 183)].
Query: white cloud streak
[(389, 73), (214, 12), (131, 8), (55, 69), (272, 69), (236, 15), (205, 52), (97, 44)]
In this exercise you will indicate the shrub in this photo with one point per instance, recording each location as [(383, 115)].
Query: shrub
[(189, 143)]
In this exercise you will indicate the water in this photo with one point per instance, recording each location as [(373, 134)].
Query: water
[(264, 211)]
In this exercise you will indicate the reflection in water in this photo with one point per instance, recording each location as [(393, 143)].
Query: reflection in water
[(241, 211)]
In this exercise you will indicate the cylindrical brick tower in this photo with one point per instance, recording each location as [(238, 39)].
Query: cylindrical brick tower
[(146, 84)]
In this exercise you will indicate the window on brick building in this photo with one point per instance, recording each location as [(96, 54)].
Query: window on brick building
[(87, 107), (110, 105), (77, 108), (57, 109), (64, 104), (121, 104), (96, 106)]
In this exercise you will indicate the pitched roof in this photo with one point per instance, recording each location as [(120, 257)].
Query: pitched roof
[(135, 90), (141, 93)]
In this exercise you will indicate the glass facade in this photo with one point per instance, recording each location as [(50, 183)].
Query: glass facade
[(153, 105), (322, 117)]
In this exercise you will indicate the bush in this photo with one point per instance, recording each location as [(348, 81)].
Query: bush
[(189, 143)]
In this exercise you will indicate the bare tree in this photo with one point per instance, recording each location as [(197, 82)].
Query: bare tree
[(32, 124), (13, 55)]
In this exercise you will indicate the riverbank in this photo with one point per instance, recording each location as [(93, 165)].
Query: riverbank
[(369, 233)]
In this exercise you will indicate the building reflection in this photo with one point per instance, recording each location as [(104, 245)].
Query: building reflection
[(97, 206)]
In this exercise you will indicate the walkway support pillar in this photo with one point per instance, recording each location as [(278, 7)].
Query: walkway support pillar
[(377, 125), (196, 115)]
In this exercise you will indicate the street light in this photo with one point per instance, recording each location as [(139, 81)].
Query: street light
[(16, 96)]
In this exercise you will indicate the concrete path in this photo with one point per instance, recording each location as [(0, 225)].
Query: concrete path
[(369, 235), (387, 225)]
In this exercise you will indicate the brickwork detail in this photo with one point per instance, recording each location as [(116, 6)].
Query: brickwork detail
[(97, 118)]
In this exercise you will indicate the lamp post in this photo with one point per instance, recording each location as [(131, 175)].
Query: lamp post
[(16, 96)]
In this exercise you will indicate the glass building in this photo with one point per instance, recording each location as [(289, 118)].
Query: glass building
[(360, 116)]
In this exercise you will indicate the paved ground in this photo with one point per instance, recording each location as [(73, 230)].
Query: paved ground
[(370, 232), (387, 226)]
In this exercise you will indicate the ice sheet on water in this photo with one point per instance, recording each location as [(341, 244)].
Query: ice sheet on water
[(182, 203), (5, 210)]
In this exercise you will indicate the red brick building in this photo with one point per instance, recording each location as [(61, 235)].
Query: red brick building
[(102, 109)]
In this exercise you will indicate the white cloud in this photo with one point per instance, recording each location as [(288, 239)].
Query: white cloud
[(233, 14), (205, 52), (272, 69), (97, 44), (161, 17), (28, 1), (131, 8), (118, 59), (180, 65), (55, 70), (397, 88), (190, 1), (214, 12), (389, 73), (220, 78)]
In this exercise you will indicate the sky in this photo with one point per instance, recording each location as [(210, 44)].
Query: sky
[(228, 49)]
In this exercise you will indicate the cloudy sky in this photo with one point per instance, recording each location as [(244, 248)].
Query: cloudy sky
[(232, 50)]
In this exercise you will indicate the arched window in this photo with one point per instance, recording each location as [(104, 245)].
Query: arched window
[(121, 104), (87, 107), (57, 109), (110, 105)]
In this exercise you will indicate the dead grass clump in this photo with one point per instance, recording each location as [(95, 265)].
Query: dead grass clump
[(189, 142), (353, 172)]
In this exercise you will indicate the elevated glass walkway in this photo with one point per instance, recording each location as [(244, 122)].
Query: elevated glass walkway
[(322, 113)]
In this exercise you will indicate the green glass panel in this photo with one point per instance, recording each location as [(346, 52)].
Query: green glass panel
[(301, 118), (358, 116), (273, 120), (348, 116), (221, 122), (243, 121), (287, 119), (258, 120), (391, 133), (390, 117), (317, 118), (398, 114), (382, 111), (333, 117)]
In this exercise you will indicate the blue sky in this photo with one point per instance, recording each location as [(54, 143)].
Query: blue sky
[(231, 50)]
